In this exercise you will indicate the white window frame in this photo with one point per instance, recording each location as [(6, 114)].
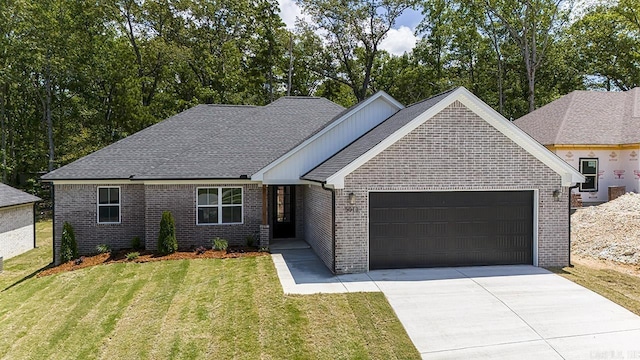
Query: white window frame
[(220, 205), (98, 205), (595, 176)]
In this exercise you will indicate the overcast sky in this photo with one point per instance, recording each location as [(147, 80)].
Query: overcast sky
[(398, 40)]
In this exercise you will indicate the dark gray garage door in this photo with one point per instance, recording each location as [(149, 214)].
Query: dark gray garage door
[(428, 229)]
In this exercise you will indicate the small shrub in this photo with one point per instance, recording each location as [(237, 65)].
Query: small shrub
[(250, 240), (103, 249), (219, 244), (132, 255), (167, 242), (68, 244), (201, 250), (136, 243)]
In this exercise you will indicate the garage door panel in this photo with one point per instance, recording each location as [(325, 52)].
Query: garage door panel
[(426, 229)]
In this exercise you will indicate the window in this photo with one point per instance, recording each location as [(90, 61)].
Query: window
[(108, 205), (218, 205), (589, 168)]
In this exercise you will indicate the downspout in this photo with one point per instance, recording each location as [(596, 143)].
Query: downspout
[(34, 225), (333, 223), (53, 221), (570, 190)]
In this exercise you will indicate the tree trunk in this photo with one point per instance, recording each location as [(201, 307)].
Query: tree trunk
[(48, 114), (3, 130), (532, 87)]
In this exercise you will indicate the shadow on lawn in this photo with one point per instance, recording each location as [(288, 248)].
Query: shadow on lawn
[(48, 266)]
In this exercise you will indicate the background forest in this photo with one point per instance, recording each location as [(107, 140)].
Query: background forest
[(77, 75)]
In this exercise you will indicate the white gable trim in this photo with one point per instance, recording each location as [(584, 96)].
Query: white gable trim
[(259, 176), (567, 172)]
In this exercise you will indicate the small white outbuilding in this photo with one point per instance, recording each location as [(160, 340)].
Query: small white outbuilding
[(17, 227)]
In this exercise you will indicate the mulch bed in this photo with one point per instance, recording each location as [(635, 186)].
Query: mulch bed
[(148, 256)]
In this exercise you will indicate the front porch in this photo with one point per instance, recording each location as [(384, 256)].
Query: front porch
[(282, 223)]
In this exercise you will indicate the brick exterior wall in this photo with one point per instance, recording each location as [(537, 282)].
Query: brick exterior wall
[(181, 201), (455, 150), (141, 211), (317, 228), (16, 230), (76, 204)]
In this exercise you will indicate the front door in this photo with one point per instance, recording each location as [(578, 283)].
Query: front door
[(284, 204)]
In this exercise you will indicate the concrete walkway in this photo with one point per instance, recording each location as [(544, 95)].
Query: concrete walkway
[(492, 312)]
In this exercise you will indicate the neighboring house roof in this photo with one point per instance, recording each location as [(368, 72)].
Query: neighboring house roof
[(10, 196), (335, 169), (207, 142), (586, 118)]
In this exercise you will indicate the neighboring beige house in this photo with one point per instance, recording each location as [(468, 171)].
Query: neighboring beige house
[(443, 182), (17, 229), (596, 132)]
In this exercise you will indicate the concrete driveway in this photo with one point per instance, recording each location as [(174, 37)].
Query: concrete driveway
[(492, 312)]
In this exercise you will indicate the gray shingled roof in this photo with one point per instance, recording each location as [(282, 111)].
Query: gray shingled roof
[(207, 142), (10, 196), (586, 118), (372, 138)]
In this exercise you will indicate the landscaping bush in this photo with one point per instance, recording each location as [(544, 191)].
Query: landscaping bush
[(250, 240), (167, 242), (68, 245), (219, 244), (132, 255), (103, 249), (136, 243)]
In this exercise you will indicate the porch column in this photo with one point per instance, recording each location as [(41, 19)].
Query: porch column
[(265, 221), (264, 226)]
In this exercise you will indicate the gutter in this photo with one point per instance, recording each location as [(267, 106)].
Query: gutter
[(333, 223), (570, 190), (34, 225), (53, 222)]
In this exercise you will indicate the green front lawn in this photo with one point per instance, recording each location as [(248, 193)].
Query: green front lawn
[(621, 288), (205, 308)]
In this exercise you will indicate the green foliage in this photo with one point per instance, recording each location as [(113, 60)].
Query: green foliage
[(219, 244), (136, 243), (68, 245), (250, 240), (93, 73), (167, 242), (132, 255), (103, 249)]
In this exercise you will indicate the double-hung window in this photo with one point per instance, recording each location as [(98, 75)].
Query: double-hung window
[(219, 205), (108, 205), (589, 168)]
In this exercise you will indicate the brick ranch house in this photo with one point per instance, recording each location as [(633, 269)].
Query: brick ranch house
[(17, 221), (443, 182), (596, 132)]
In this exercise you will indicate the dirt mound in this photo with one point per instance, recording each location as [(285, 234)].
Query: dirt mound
[(610, 231)]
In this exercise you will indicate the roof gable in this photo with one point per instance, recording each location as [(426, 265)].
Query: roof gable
[(334, 170), (10, 196), (339, 132)]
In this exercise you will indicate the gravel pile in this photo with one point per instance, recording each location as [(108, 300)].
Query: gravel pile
[(610, 231)]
